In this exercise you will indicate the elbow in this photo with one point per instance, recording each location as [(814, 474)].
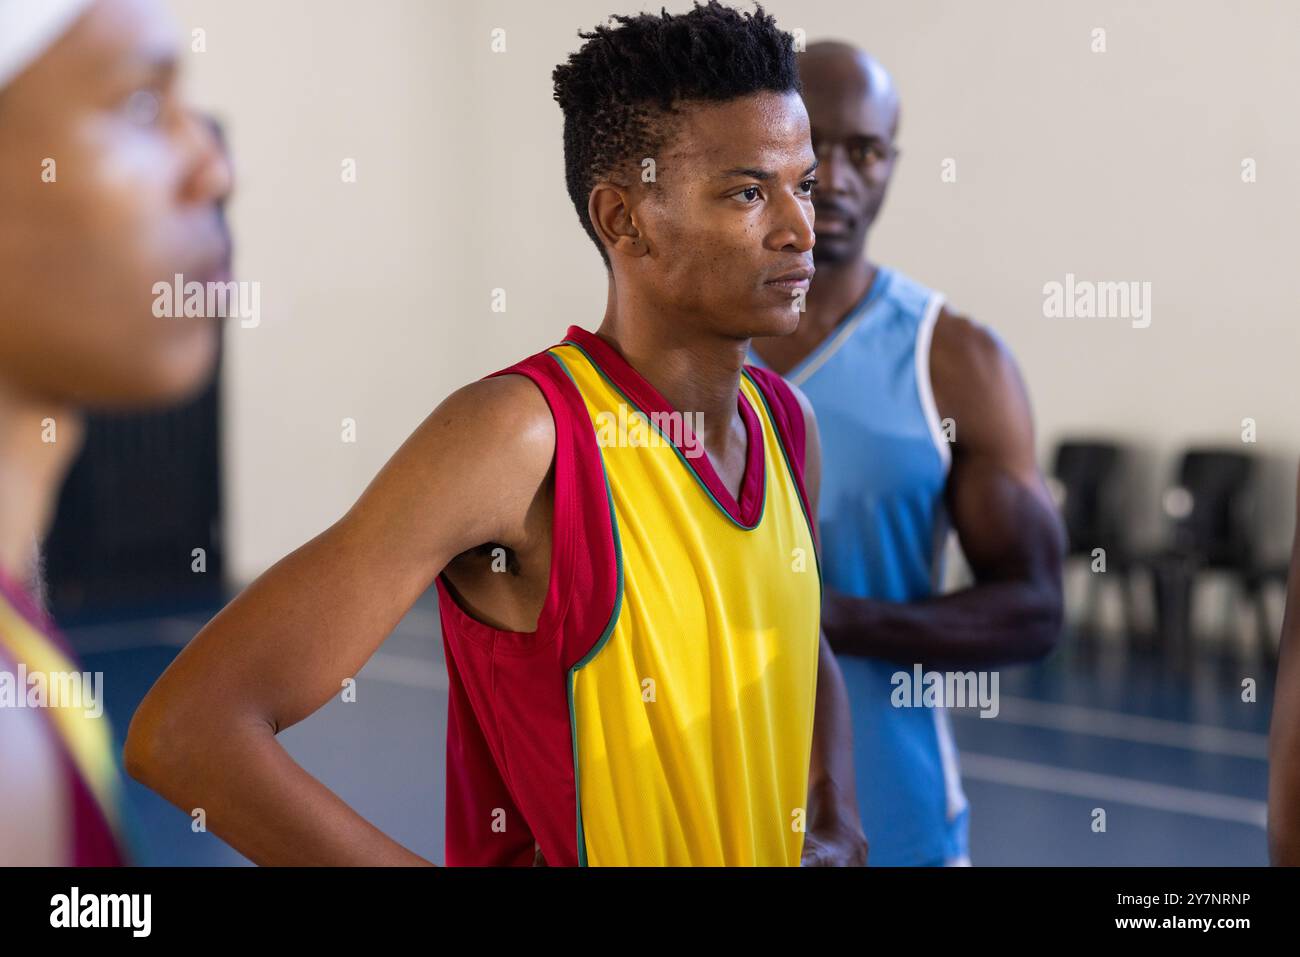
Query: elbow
[(146, 748), (159, 743), (178, 744)]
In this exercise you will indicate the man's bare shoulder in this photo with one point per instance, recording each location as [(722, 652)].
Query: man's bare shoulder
[(470, 472), (968, 356), (504, 417), (977, 384)]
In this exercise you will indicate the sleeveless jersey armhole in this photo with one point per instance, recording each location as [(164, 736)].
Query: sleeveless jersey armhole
[(791, 430), (559, 580), (589, 517), (508, 688), (559, 590), (583, 557)]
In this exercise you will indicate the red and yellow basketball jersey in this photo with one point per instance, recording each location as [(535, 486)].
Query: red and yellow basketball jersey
[(30, 645), (662, 711)]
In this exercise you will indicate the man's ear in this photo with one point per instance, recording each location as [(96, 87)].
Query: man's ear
[(610, 210)]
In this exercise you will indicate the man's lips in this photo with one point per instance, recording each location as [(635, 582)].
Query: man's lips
[(795, 279)]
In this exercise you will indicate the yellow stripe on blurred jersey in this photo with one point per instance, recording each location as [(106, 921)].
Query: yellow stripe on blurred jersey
[(88, 738)]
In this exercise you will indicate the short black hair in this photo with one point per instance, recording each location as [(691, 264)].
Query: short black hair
[(619, 89)]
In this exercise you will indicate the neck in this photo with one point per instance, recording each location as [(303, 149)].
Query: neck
[(32, 468), (695, 370), (836, 289)]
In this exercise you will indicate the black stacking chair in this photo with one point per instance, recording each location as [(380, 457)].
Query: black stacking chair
[(1093, 509), (1210, 511)]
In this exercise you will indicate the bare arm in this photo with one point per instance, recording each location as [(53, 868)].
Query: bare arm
[(834, 825), (205, 734), (1284, 733), (1004, 518)]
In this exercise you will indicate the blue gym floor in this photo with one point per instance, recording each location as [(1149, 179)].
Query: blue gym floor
[(1177, 763)]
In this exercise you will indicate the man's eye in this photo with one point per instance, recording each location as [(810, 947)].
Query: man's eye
[(809, 184), (747, 190), (143, 107), (867, 154)]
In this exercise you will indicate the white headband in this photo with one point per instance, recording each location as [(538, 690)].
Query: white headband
[(29, 27)]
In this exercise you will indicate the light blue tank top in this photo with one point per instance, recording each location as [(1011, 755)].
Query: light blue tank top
[(883, 528)]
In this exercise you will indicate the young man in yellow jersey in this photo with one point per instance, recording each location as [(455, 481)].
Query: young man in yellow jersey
[(618, 527)]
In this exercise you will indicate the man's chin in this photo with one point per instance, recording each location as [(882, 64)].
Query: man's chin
[(782, 322)]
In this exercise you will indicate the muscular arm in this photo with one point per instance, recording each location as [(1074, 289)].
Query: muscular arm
[(1004, 518), (205, 736), (1284, 734), (834, 826)]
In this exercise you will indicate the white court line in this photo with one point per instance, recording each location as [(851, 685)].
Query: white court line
[(421, 673), (1161, 797), (1204, 738)]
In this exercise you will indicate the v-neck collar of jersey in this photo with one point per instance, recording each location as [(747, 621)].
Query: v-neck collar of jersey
[(647, 400)]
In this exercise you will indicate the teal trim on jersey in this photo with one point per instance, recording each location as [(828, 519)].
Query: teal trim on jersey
[(600, 643), (673, 445), (794, 479)]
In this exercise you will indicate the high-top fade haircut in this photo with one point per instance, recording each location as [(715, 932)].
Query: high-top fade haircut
[(621, 89)]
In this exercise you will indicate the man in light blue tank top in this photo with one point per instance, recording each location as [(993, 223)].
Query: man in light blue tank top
[(925, 426)]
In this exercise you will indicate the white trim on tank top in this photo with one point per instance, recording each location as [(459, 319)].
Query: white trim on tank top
[(955, 796), (801, 376), (802, 370), (924, 334)]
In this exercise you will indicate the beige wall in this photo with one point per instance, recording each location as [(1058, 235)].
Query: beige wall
[(1123, 165)]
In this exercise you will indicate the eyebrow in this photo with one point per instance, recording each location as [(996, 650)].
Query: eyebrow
[(762, 175), (869, 137)]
